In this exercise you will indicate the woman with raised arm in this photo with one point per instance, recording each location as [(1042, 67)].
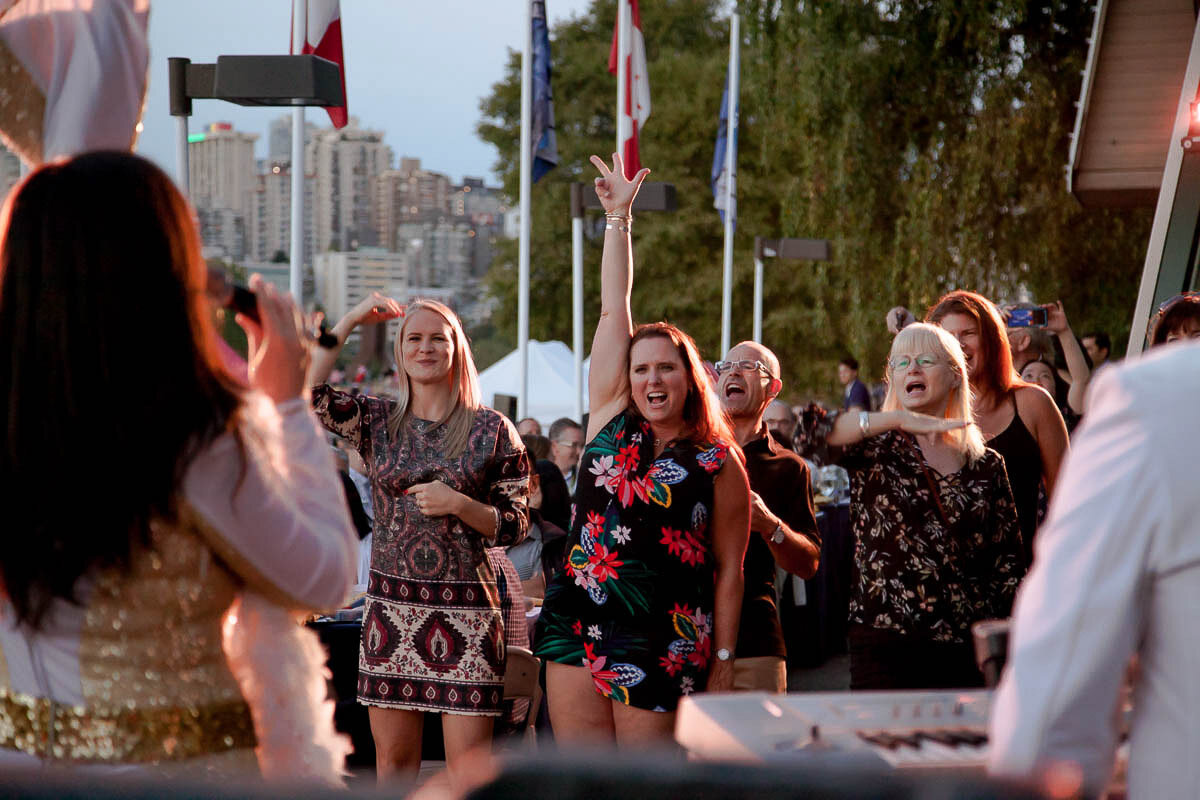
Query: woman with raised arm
[(449, 478), (937, 546), (647, 610)]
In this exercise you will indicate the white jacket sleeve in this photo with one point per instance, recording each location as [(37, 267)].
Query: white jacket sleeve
[(1079, 612), (278, 517)]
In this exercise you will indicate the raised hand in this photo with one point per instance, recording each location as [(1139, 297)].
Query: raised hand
[(614, 190), (1056, 317), (375, 307)]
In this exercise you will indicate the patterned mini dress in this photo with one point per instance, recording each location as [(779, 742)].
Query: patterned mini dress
[(635, 603), (432, 636)]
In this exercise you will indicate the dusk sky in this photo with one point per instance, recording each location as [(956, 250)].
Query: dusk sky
[(416, 70)]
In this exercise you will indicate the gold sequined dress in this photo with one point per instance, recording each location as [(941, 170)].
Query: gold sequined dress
[(135, 673)]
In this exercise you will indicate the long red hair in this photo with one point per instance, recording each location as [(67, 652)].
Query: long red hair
[(702, 412), (996, 374)]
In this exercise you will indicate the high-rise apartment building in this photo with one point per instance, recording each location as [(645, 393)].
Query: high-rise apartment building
[(279, 137), (271, 230), (222, 180), (408, 194), (345, 164)]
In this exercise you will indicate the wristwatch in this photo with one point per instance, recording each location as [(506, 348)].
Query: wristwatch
[(723, 654), (777, 534)]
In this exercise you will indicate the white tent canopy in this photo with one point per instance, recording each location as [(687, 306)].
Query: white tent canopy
[(551, 381)]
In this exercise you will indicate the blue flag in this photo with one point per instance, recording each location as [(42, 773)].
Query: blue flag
[(718, 166), (545, 145)]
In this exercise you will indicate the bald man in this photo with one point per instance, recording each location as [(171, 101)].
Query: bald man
[(783, 521)]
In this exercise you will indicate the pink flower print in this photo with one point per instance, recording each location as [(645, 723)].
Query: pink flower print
[(601, 467)]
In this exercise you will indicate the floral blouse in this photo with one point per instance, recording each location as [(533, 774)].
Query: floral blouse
[(921, 567)]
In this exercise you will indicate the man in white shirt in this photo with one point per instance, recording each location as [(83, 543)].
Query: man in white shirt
[(1117, 571)]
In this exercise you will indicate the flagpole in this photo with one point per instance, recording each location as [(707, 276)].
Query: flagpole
[(730, 165), (181, 155), (758, 293), (295, 281), (577, 293), (523, 241), (623, 120)]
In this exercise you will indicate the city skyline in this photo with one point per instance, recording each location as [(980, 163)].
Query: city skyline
[(433, 65)]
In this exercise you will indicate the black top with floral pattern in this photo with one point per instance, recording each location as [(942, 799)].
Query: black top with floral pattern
[(921, 568)]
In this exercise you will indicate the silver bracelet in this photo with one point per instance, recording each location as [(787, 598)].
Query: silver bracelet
[(496, 513), (864, 423), (617, 227)]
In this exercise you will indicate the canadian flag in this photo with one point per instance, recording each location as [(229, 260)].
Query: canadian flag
[(323, 38), (637, 86)]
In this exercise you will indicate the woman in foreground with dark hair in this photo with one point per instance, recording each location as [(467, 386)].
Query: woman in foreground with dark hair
[(647, 610), (144, 488)]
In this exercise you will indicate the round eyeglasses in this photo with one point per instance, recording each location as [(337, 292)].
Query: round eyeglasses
[(902, 363)]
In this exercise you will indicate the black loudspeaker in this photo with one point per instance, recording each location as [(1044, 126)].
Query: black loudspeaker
[(645, 777)]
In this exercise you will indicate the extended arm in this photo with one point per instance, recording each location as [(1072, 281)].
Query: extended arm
[(373, 308), (848, 428), (608, 379)]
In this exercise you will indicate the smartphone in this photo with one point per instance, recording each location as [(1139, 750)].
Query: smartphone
[(1027, 318)]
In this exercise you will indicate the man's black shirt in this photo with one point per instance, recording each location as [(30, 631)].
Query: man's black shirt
[(780, 477)]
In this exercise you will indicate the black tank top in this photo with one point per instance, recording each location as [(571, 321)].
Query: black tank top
[(1023, 461)]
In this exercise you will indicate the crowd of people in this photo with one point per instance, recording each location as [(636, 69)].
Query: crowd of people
[(649, 533)]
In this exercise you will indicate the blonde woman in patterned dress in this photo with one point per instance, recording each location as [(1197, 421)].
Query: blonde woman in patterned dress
[(449, 478)]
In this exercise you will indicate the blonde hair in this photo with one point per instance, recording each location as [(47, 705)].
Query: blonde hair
[(921, 337), (465, 381)]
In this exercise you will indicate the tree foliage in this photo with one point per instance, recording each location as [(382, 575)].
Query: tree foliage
[(925, 138)]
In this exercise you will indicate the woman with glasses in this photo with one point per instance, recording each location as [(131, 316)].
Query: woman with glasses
[(1176, 319), (647, 610), (938, 546)]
